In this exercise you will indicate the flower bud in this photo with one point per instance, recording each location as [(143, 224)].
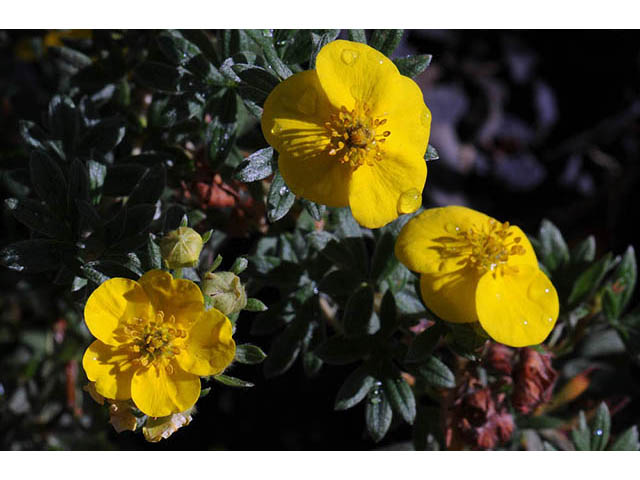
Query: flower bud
[(181, 248), (226, 291)]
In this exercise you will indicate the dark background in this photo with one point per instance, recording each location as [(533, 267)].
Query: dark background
[(529, 125)]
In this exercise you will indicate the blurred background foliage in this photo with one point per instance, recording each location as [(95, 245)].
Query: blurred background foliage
[(109, 137)]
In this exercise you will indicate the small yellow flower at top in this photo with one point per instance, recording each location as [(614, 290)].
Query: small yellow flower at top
[(476, 269), (154, 342), (353, 132)]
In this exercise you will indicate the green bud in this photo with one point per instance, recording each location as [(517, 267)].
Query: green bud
[(181, 248), (226, 291)]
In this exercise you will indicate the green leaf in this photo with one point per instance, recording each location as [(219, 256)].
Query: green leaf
[(256, 84), (378, 414), (436, 373), (623, 280), (339, 283), (161, 76), (385, 41), (221, 131), (176, 48), (35, 255), (240, 265), (264, 38), (338, 350), (627, 441), (37, 217), (316, 211), (255, 305), (104, 135), (554, 251), (413, 65), (154, 255), (424, 343), (357, 35), (150, 186), (257, 166), (232, 381), (249, 354), (589, 280), (279, 200), (585, 251), (431, 154), (48, 181), (358, 318), (388, 314), (600, 428), (354, 389), (581, 434), (286, 347), (400, 396), (384, 258)]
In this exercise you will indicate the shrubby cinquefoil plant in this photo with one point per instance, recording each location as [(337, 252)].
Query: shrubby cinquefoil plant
[(300, 154)]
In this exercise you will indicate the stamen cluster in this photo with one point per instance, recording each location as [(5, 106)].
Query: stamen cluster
[(154, 339), (483, 249), (354, 136)]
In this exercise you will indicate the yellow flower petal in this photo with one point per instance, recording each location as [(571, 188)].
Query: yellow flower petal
[(209, 348), (178, 297), (158, 393), (407, 118), (351, 71), (419, 245), (293, 123), (110, 368), (517, 308), (375, 191), (112, 303), (451, 296), (424, 244)]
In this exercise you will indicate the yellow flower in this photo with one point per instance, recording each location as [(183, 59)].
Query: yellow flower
[(476, 269), (352, 132), (154, 341)]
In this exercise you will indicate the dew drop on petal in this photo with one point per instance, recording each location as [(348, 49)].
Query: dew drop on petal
[(599, 432), (409, 201), (283, 190), (307, 103), (425, 118), (538, 289), (451, 228), (349, 56), (276, 129)]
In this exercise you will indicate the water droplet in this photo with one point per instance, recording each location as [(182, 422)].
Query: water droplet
[(307, 103), (599, 432), (525, 323), (276, 129), (451, 228), (550, 319), (283, 190), (409, 201), (381, 62), (425, 118), (315, 290), (538, 289), (349, 56)]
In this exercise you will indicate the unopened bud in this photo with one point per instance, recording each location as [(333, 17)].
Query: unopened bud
[(181, 248), (226, 291)]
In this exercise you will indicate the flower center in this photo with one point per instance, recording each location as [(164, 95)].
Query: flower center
[(354, 136), (155, 339), (483, 249)]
